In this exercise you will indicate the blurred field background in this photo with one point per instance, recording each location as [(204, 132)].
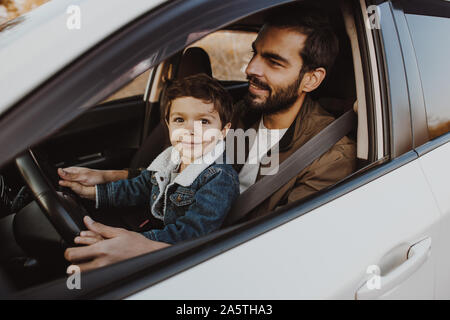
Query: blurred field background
[(10, 9)]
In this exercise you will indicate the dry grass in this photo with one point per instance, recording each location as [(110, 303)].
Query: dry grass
[(439, 130), (229, 51), (10, 9)]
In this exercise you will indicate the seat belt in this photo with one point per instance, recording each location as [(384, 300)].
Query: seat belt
[(291, 167)]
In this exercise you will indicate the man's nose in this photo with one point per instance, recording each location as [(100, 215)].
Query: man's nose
[(254, 67)]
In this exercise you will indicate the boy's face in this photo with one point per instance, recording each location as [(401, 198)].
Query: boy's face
[(194, 127)]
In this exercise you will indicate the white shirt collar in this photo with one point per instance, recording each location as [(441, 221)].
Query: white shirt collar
[(169, 160)]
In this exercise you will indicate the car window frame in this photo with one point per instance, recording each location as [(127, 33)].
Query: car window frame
[(416, 98), (125, 278), (97, 73), (423, 143)]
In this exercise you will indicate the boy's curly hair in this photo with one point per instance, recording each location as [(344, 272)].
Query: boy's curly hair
[(202, 87)]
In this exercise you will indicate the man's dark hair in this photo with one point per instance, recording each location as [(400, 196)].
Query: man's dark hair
[(321, 46), (202, 87)]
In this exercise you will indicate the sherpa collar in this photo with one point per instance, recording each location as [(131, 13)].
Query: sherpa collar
[(169, 160)]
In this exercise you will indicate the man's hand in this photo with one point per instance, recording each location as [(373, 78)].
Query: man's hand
[(117, 245), (88, 237)]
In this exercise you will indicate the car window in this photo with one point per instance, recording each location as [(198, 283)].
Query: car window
[(430, 39), (134, 88), (229, 52)]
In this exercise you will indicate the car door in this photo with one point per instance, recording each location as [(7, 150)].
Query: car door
[(373, 237), (428, 26), (336, 251)]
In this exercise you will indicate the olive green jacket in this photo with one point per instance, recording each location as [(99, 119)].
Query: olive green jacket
[(331, 167)]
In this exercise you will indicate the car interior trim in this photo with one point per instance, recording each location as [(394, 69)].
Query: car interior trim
[(362, 151), (373, 65), (149, 81)]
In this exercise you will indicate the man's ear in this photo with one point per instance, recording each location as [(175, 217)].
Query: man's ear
[(313, 79)]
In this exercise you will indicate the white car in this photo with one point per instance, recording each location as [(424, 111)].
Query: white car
[(80, 85)]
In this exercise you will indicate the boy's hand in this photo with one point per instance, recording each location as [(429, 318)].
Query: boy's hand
[(90, 177), (85, 176), (81, 190), (118, 244)]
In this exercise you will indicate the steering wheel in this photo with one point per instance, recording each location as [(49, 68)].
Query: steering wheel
[(63, 210)]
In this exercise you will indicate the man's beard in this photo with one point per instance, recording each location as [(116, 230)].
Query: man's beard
[(282, 99)]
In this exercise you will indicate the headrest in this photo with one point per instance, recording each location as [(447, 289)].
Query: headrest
[(340, 80), (195, 60)]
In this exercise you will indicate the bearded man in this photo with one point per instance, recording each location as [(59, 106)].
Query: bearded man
[(291, 57)]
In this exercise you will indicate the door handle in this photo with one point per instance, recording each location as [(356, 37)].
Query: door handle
[(417, 255)]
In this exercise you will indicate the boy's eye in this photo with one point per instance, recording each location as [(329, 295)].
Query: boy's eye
[(178, 120), (205, 121)]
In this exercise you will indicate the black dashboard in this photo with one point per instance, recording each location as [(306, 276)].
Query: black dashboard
[(12, 198)]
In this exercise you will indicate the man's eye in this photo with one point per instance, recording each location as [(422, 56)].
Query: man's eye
[(275, 63)]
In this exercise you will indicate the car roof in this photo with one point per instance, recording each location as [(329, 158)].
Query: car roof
[(35, 46)]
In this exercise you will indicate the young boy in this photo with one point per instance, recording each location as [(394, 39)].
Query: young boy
[(188, 187)]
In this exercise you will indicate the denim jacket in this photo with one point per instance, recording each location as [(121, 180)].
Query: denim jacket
[(194, 204)]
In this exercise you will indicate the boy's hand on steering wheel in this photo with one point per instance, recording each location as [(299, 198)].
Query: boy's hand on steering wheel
[(90, 177), (85, 176), (81, 190)]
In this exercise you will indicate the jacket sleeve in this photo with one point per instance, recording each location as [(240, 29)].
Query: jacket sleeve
[(126, 192), (330, 168), (207, 212)]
